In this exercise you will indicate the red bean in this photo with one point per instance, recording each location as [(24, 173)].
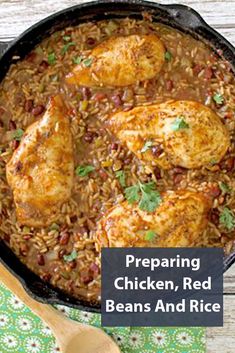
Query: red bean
[(178, 170), (12, 125), (116, 100), (157, 173), (114, 146), (157, 150), (61, 253), (28, 106), (15, 144), (40, 260), (46, 277), (89, 136), (73, 264), (43, 66), (169, 85), (178, 178), (73, 219), (208, 73), (214, 191), (64, 238), (197, 69), (214, 216), (32, 57), (103, 174), (86, 93), (99, 96), (90, 41), (94, 268), (39, 109), (229, 164)]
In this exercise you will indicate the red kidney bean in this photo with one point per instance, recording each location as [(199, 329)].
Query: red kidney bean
[(12, 125), (18, 166), (178, 178), (178, 170), (169, 85), (46, 277), (39, 109), (73, 264), (73, 219), (32, 57), (214, 216), (214, 191), (86, 279), (116, 100), (197, 69), (43, 66), (90, 41), (157, 150), (208, 73), (15, 144), (229, 164), (64, 238), (86, 93), (40, 260), (103, 174), (61, 253), (94, 268), (89, 136), (157, 172), (28, 106), (114, 146), (99, 96)]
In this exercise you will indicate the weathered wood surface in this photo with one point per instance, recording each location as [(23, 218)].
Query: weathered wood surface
[(18, 15)]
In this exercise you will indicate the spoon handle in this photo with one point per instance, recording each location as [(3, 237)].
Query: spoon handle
[(44, 311)]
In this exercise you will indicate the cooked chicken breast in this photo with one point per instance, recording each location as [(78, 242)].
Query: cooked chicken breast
[(121, 61), (40, 172), (182, 133), (177, 222)]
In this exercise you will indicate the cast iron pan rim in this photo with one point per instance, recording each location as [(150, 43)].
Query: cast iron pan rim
[(55, 295)]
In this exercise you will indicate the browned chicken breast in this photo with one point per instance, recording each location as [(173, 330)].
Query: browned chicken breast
[(182, 133), (121, 61), (177, 222), (40, 172)]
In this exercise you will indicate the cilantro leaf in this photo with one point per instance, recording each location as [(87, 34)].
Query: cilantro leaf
[(77, 60), (66, 38), (87, 62), (132, 193), (18, 134), (150, 235), (147, 146), (225, 188), (168, 56), (70, 257), (51, 58), (66, 47), (179, 123), (120, 174), (218, 98), (227, 219), (147, 195), (213, 161), (150, 198), (84, 170)]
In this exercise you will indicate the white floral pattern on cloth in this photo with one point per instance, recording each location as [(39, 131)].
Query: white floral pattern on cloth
[(23, 332)]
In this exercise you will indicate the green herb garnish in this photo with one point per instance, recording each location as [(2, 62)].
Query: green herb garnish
[(51, 58), (147, 195), (227, 218), (84, 170), (70, 257), (18, 134), (120, 174), (66, 47), (179, 124), (77, 60), (87, 62), (147, 146), (168, 56), (225, 188), (150, 235), (66, 38), (54, 226), (218, 98)]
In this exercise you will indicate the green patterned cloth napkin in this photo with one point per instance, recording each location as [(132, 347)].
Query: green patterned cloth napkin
[(23, 332)]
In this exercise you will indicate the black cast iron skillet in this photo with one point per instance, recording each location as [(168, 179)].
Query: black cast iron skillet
[(177, 16)]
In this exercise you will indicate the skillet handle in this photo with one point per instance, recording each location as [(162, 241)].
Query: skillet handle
[(3, 47)]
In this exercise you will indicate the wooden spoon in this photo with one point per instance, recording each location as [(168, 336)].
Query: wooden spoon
[(72, 336)]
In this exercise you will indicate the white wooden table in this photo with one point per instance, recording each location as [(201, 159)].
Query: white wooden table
[(17, 15)]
